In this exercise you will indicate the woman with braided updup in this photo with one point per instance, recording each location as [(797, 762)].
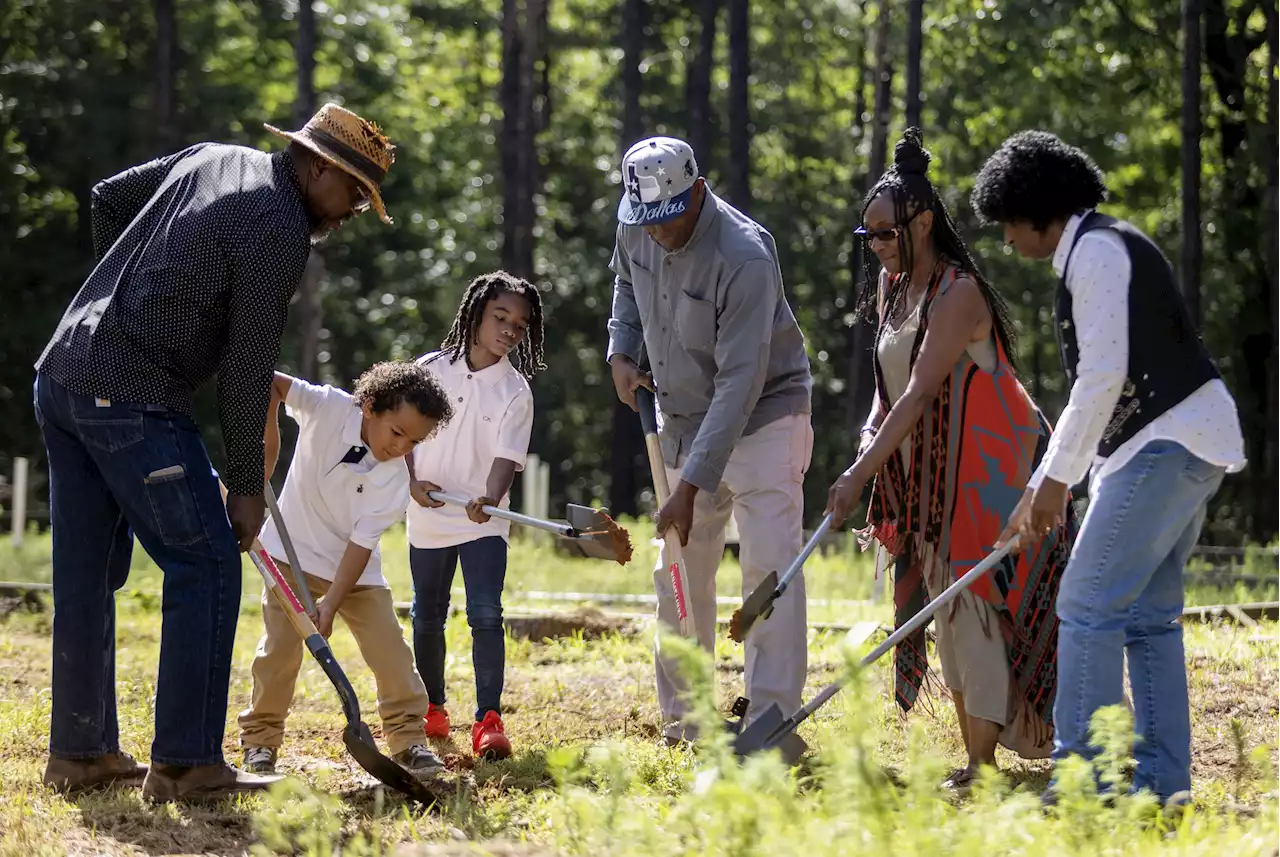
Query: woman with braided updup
[(485, 364), (951, 439)]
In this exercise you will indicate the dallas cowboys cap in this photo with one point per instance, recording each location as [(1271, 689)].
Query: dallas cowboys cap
[(658, 175)]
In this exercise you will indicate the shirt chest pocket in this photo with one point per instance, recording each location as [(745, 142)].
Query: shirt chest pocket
[(696, 323)]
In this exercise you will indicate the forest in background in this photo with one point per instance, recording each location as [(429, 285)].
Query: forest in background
[(510, 117)]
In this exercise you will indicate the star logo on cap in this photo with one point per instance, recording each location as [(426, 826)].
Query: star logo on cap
[(633, 182)]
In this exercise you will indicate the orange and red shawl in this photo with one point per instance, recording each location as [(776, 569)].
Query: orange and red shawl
[(972, 453)]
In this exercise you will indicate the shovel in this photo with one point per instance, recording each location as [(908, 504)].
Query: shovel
[(772, 729), (290, 554), (356, 735), (759, 604), (596, 533)]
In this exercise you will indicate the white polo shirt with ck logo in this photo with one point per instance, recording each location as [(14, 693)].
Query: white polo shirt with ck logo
[(492, 418), (327, 503)]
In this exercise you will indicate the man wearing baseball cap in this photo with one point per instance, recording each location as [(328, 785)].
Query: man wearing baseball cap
[(698, 291), (199, 253)]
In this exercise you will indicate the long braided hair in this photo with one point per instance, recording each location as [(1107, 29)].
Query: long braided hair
[(527, 357), (907, 182)]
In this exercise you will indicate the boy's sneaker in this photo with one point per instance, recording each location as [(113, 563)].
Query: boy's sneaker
[(437, 721), (488, 738), (419, 761), (260, 760)]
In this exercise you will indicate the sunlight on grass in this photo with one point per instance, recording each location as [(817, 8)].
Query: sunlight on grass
[(589, 775)]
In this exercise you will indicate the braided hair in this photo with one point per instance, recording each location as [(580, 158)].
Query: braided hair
[(907, 182), (527, 357)]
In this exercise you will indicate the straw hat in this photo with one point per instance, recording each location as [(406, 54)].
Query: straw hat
[(350, 143)]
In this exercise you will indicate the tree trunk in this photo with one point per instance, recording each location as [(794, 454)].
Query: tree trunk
[(310, 310), (166, 73), (860, 335), (739, 175), (1192, 251), (1271, 225), (884, 91), (627, 460), (861, 353), (1227, 50), (915, 38), (698, 85), (633, 20), (522, 21)]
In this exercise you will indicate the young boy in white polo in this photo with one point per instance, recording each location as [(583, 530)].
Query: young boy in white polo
[(346, 485), (484, 364)]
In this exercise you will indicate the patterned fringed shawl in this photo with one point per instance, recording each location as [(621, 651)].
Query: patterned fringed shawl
[(971, 456)]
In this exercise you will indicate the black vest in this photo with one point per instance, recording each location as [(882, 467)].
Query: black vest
[(1167, 360)]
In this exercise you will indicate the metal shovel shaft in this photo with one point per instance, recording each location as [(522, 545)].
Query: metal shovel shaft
[(515, 517), (299, 577), (896, 637), (799, 561)]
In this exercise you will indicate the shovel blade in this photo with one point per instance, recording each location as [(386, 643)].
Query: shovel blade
[(362, 748), (759, 604), (758, 735), (584, 519)]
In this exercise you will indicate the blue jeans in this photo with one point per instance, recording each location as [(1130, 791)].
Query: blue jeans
[(1122, 592), (116, 471), (484, 569)]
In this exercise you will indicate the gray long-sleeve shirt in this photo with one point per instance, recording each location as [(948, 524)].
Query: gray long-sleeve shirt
[(726, 353)]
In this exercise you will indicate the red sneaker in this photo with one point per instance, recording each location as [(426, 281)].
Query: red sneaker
[(437, 721), (488, 739)]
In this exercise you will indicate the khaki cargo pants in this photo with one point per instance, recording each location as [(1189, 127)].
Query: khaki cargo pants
[(369, 614), (762, 487)]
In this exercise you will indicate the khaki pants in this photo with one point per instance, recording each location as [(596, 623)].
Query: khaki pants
[(762, 488), (370, 616)]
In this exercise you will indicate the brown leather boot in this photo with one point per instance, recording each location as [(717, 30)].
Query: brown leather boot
[(69, 776), (205, 783)]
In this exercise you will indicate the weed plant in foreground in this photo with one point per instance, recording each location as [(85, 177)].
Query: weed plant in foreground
[(849, 804)]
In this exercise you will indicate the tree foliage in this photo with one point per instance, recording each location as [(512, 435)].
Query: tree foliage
[(77, 83)]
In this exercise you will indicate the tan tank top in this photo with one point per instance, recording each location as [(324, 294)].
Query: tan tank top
[(894, 352)]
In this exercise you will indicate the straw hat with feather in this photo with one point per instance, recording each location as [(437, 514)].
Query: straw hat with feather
[(350, 143)]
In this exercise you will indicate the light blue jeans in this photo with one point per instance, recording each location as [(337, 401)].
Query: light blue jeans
[(1122, 593)]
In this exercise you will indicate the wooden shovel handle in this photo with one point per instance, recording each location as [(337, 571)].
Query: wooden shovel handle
[(274, 580)]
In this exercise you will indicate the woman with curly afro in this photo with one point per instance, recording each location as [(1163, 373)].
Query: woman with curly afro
[(950, 441), (1150, 415)]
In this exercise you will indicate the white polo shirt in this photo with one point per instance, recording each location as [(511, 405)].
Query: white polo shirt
[(326, 503), (492, 418)]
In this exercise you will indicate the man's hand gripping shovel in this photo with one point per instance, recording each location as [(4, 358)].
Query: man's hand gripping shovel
[(356, 735), (773, 729)]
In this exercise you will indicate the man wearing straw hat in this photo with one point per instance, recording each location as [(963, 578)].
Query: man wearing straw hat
[(199, 254)]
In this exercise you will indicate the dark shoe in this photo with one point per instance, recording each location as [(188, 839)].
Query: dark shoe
[(205, 783), (69, 776), (419, 761), (260, 760)]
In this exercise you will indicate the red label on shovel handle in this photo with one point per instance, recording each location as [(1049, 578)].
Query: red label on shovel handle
[(682, 608), (277, 580)]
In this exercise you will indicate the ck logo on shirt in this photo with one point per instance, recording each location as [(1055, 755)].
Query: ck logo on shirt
[(360, 488)]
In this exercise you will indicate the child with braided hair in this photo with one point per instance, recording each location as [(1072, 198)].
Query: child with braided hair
[(485, 364)]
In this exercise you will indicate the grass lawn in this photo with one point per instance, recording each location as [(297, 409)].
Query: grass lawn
[(589, 776)]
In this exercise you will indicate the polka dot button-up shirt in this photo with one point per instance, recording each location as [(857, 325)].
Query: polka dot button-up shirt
[(199, 255)]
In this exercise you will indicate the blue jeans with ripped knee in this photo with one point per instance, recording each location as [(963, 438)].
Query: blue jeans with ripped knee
[(1122, 593)]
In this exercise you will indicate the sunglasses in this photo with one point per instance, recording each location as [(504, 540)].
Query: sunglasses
[(888, 234)]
